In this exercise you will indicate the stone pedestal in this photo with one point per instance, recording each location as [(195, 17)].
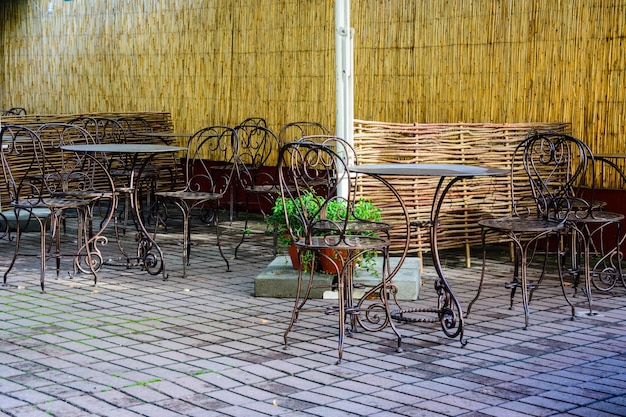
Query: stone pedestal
[(279, 280)]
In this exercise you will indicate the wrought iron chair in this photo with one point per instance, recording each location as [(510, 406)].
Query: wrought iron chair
[(259, 178), (309, 176), (256, 173), (608, 268), (294, 131), (45, 182), (249, 131), (349, 157), (599, 265), (545, 171), (206, 184)]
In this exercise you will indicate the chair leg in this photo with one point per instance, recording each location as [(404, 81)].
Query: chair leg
[(186, 240), (607, 271), (42, 243), (618, 239), (560, 273), (298, 305), (18, 238), (372, 322), (217, 236), (93, 256), (55, 228), (587, 272), (309, 287), (543, 268), (513, 285), (341, 291), (524, 285), (245, 226), (482, 274)]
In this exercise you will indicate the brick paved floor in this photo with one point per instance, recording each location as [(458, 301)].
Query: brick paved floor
[(136, 345)]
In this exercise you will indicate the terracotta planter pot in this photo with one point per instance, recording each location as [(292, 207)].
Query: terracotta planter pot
[(333, 260), (293, 254)]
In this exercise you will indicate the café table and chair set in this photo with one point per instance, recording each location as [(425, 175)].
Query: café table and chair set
[(74, 177)]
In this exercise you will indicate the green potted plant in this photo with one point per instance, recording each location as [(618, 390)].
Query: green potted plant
[(277, 223), (335, 210), (363, 209)]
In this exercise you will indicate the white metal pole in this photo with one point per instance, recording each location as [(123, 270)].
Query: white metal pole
[(344, 60), (344, 75)]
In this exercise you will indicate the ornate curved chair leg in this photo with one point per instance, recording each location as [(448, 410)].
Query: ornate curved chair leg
[(482, 273), (219, 246), (524, 285), (297, 305), (543, 269), (562, 281), (18, 238), (186, 240), (341, 291), (384, 297), (245, 227)]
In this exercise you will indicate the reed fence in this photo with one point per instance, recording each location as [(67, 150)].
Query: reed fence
[(219, 61), (455, 143)]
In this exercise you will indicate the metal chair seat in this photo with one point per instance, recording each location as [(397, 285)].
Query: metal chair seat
[(522, 224), (345, 243), (183, 195), (544, 171), (594, 216)]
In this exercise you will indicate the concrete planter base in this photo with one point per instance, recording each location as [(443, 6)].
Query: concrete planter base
[(279, 280)]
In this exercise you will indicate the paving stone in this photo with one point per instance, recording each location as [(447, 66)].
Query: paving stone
[(206, 346)]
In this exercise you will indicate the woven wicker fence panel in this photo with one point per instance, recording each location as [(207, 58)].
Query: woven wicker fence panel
[(468, 200), (157, 121)]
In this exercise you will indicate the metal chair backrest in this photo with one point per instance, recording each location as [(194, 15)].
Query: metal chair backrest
[(546, 170), (294, 131), (341, 146), (36, 170), (14, 111), (55, 135), (22, 164), (257, 145), (211, 161), (103, 129), (134, 128), (309, 176)]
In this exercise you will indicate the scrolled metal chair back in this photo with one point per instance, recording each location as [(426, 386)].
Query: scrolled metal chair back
[(65, 170), (13, 111), (211, 160), (294, 131), (551, 165), (22, 164), (309, 176), (134, 128)]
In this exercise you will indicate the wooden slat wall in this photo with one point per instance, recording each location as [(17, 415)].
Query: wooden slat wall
[(220, 61)]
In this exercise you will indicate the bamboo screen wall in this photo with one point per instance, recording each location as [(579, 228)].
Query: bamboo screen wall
[(220, 61)]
